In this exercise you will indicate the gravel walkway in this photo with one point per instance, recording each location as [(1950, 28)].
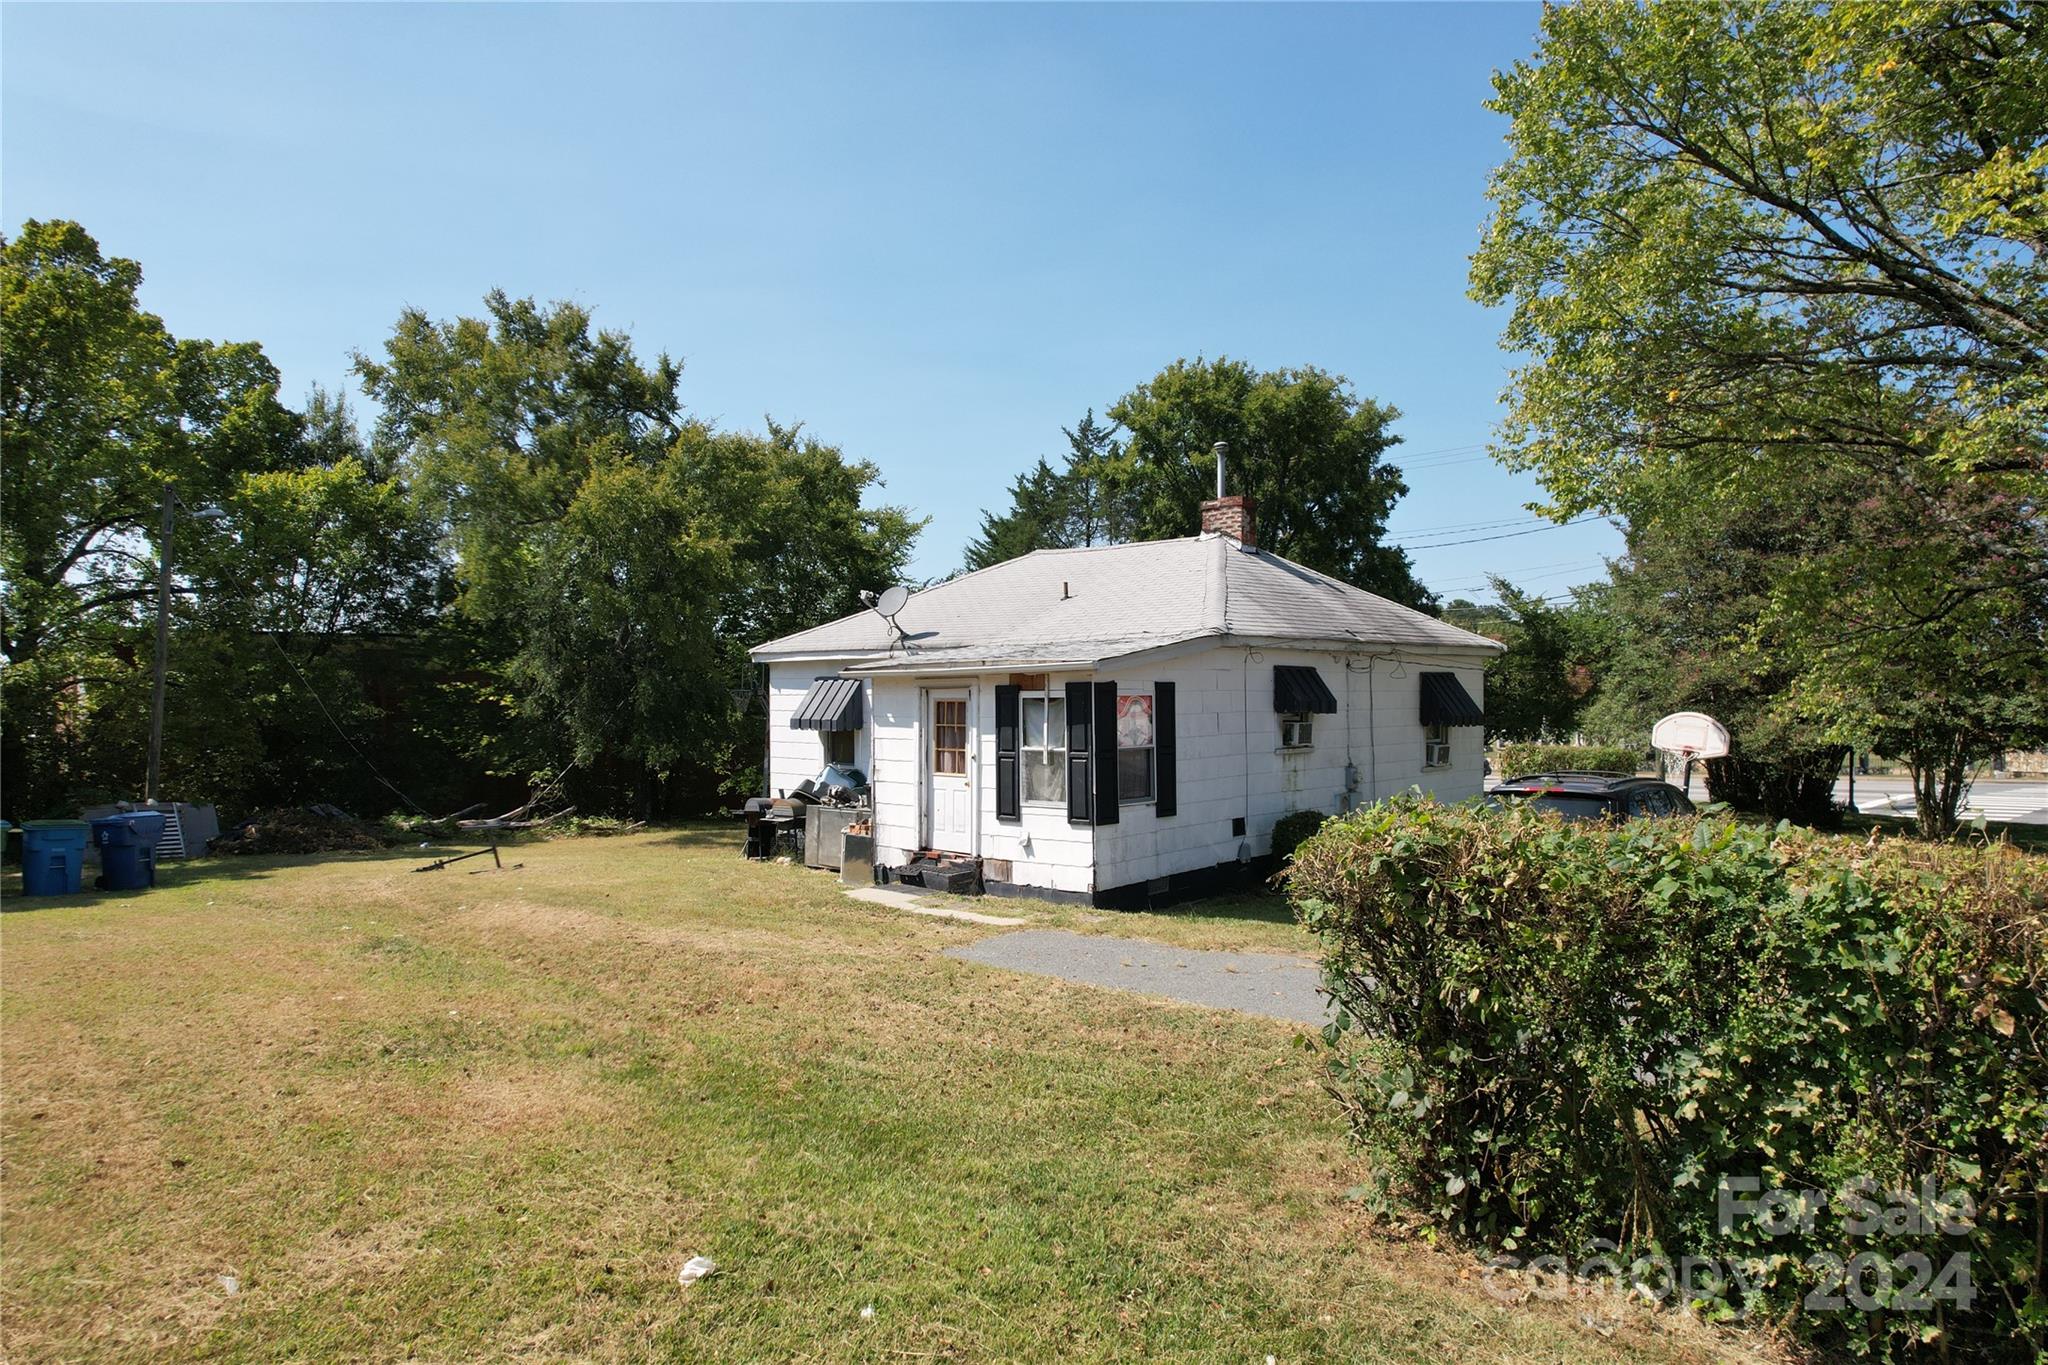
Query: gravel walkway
[(1276, 985)]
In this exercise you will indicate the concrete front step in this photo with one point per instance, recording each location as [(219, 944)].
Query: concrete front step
[(897, 898)]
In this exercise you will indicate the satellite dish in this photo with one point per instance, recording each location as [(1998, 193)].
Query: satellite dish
[(1690, 735), (892, 600)]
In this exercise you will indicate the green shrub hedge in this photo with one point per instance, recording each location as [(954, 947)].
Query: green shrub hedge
[(1290, 829), (1560, 1037), (1516, 759)]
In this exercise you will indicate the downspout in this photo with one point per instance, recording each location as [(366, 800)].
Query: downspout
[(1350, 795), (1372, 746), (1244, 677)]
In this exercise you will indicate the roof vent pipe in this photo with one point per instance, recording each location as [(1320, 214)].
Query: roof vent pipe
[(1222, 449)]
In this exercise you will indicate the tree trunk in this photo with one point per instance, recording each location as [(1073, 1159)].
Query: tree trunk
[(1940, 773)]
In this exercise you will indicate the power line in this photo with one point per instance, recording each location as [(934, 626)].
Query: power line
[(1439, 450), (1450, 527), (1520, 577), (1504, 535), (388, 783), (1409, 467)]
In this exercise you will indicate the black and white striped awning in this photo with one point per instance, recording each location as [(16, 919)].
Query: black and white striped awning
[(1446, 702), (831, 704), (1298, 690)]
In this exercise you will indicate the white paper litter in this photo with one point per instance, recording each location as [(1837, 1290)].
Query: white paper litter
[(867, 1312), (695, 1269), (230, 1285)]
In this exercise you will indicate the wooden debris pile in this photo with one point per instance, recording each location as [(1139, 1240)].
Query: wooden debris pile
[(303, 829)]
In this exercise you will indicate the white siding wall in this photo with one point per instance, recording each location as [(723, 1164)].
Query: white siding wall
[(797, 755), (1043, 849), (1231, 763), (894, 729), (1398, 732)]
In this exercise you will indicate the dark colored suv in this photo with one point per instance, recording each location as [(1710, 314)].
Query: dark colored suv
[(1592, 796)]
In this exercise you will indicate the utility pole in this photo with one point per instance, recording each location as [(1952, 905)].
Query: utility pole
[(163, 646)]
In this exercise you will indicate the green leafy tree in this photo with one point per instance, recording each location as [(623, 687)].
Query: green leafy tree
[(1059, 508), (100, 409), (1746, 236), (1916, 650), (1300, 441), (540, 443), (1690, 626), (1822, 611), (315, 631), (1540, 685), (804, 544), (1770, 263), (623, 554)]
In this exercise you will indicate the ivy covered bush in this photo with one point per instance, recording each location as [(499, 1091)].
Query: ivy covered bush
[(1610, 1042), (1516, 759)]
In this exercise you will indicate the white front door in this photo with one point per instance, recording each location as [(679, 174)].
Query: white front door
[(949, 770)]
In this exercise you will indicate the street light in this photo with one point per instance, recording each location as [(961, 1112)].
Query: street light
[(163, 632)]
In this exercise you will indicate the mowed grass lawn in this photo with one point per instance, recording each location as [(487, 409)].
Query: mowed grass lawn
[(459, 1116)]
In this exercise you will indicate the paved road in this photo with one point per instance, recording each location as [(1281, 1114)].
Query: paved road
[(2021, 803), (1272, 984)]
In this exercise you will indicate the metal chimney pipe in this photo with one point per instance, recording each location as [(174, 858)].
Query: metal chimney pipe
[(1222, 449)]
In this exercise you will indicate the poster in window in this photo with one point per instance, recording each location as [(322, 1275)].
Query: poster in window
[(1134, 721)]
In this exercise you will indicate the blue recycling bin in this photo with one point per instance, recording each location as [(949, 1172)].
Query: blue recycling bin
[(151, 824), (127, 845), (52, 857)]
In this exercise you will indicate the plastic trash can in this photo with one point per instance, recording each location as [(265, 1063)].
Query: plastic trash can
[(151, 823), (127, 845), (52, 857)]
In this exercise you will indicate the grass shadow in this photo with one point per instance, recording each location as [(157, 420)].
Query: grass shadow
[(169, 875), (182, 872), (710, 835), (1261, 907)]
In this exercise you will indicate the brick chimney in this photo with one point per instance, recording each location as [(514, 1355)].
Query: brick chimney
[(1233, 517)]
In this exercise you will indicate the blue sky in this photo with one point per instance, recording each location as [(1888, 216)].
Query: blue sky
[(935, 235)]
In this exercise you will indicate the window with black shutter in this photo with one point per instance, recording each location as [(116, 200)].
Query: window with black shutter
[(1165, 749), (1007, 767), (1080, 752), (1105, 763), (1136, 753), (1044, 744)]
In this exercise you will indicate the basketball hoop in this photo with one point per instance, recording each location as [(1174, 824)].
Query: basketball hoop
[(1689, 735)]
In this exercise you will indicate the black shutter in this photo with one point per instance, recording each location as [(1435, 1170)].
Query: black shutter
[(1008, 776), (1165, 749), (1079, 707), (1106, 802)]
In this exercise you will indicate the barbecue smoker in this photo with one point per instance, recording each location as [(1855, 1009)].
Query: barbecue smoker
[(809, 823)]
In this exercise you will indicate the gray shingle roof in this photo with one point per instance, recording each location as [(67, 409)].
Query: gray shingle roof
[(1102, 602)]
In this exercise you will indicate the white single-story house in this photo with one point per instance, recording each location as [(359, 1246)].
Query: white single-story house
[(1122, 723)]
